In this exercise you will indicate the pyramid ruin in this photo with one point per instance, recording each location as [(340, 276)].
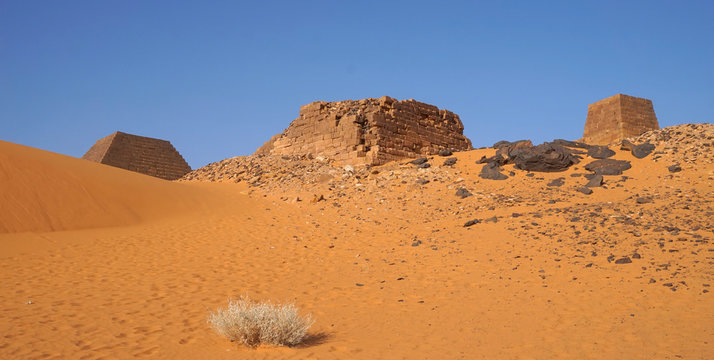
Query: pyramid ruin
[(617, 118), (141, 154), (369, 131)]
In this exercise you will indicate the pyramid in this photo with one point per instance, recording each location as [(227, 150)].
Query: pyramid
[(369, 131), (617, 118), (140, 154)]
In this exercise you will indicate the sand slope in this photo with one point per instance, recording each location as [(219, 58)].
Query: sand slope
[(44, 191), (384, 264)]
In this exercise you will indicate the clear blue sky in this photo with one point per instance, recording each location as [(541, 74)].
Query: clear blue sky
[(218, 78)]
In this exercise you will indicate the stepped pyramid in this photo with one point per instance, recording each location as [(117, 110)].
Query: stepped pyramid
[(141, 154), (618, 117)]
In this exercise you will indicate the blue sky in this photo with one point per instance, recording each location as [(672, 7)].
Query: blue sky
[(218, 78)]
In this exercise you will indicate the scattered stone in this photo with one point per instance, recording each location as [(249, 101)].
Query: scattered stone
[(472, 222), (586, 191), (595, 181), (638, 151), (624, 260), (445, 152), (419, 161), (349, 168), (492, 171), (463, 193), (600, 152), (556, 182), (416, 242), (608, 166), (421, 181), (450, 161), (674, 168), (643, 200), (317, 198), (424, 166)]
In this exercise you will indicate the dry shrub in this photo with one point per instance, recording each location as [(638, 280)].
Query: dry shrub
[(254, 323)]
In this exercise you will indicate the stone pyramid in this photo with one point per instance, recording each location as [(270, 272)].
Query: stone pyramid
[(141, 154), (369, 131), (617, 118)]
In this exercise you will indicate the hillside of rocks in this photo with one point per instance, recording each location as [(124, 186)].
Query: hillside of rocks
[(621, 214)]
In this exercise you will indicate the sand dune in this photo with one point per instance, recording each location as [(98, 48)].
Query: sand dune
[(44, 191), (384, 263)]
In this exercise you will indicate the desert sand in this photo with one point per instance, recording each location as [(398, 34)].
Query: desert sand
[(102, 263)]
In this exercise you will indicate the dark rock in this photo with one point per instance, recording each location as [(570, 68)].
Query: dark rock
[(625, 260), (506, 144), (419, 161), (595, 181), (445, 152), (416, 243), (498, 159), (574, 144), (585, 190), (472, 222), (492, 171), (450, 161), (600, 152), (510, 149), (638, 151), (421, 181), (643, 200), (463, 193), (636, 256), (608, 166), (547, 157), (641, 151), (674, 168), (425, 165), (556, 182), (530, 174), (492, 219)]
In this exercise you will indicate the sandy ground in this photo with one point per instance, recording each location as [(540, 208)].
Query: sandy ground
[(97, 262)]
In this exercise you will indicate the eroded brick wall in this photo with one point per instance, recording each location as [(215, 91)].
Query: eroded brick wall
[(141, 154), (618, 117), (369, 131)]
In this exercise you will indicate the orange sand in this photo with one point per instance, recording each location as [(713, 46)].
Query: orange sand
[(139, 263)]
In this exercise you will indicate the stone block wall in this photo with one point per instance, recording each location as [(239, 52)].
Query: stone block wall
[(140, 154), (369, 131), (618, 117)]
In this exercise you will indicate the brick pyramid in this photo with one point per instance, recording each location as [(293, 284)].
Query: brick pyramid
[(369, 131), (141, 154), (618, 117)]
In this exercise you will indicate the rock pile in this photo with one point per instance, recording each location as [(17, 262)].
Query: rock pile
[(687, 143)]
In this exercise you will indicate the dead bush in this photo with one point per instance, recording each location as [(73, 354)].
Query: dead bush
[(254, 323)]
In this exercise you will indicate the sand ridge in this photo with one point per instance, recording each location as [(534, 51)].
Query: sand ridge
[(384, 264)]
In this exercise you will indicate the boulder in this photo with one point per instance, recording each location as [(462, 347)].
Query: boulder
[(608, 166), (600, 152), (547, 157), (492, 171)]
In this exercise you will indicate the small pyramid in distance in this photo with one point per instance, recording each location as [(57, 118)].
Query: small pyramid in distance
[(618, 117), (145, 155)]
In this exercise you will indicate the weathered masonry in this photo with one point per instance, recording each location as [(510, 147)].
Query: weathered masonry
[(141, 154), (618, 117), (369, 131)]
